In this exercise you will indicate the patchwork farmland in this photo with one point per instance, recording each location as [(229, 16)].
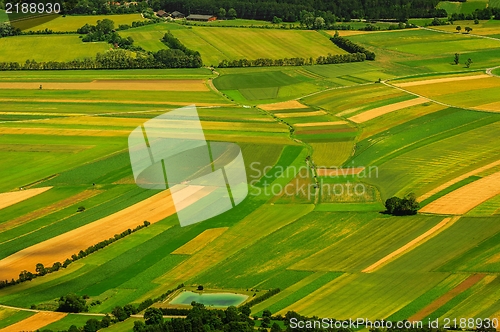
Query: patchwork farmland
[(324, 147)]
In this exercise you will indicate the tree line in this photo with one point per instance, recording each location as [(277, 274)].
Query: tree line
[(289, 10), (41, 270), (351, 47)]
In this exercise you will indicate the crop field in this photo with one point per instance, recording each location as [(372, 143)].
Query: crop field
[(72, 23), (62, 47), (323, 147), (220, 44)]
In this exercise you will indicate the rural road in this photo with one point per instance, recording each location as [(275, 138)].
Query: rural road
[(90, 314)]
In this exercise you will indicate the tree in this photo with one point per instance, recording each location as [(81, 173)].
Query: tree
[(457, 58), (468, 29), (106, 26), (92, 325), (319, 23), (72, 303), (232, 13), (245, 310), (468, 63), (276, 20), (266, 322), (266, 313), (275, 328), (200, 287), (392, 204), (458, 28), (153, 316), (222, 13), (120, 313), (40, 269), (476, 21)]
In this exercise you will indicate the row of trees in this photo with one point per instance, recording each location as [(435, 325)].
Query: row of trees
[(266, 62), (351, 47), (290, 10), (41, 270)]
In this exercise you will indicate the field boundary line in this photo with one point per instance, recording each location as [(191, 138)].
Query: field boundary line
[(447, 297), (461, 34), (330, 89), (421, 239), (489, 71), (434, 191), (92, 314)]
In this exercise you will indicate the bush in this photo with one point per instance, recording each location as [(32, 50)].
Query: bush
[(72, 303)]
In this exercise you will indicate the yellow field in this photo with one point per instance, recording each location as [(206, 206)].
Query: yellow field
[(458, 179), (379, 111), (466, 198), (286, 105), (200, 241), (8, 199), (131, 85), (320, 124), (63, 246), (447, 222), (299, 114), (442, 80), (35, 322)]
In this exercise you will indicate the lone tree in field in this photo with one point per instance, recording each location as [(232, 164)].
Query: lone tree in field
[(457, 58), (405, 206), (468, 63), (468, 29), (459, 28)]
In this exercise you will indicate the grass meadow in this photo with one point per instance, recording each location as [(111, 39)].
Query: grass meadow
[(49, 47)]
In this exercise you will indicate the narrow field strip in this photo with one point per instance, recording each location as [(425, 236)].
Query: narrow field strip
[(35, 322), (339, 171), (441, 80), (112, 85), (108, 101), (200, 241), (299, 114), (49, 209), (59, 248), (11, 198), (379, 111), (412, 244), (64, 132), (457, 179), (288, 291), (467, 197), (439, 302), (320, 124), (286, 105)]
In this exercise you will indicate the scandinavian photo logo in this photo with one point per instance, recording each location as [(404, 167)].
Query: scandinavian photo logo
[(205, 178)]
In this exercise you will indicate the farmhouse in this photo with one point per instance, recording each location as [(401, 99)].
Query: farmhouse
[(162, 13), (204, 18), (177, 14)]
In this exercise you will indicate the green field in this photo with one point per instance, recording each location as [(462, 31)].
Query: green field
[(72, 23), (332, 254), (60, 47), (220, 44)]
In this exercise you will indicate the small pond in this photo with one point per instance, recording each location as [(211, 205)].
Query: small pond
[(210, 299)]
